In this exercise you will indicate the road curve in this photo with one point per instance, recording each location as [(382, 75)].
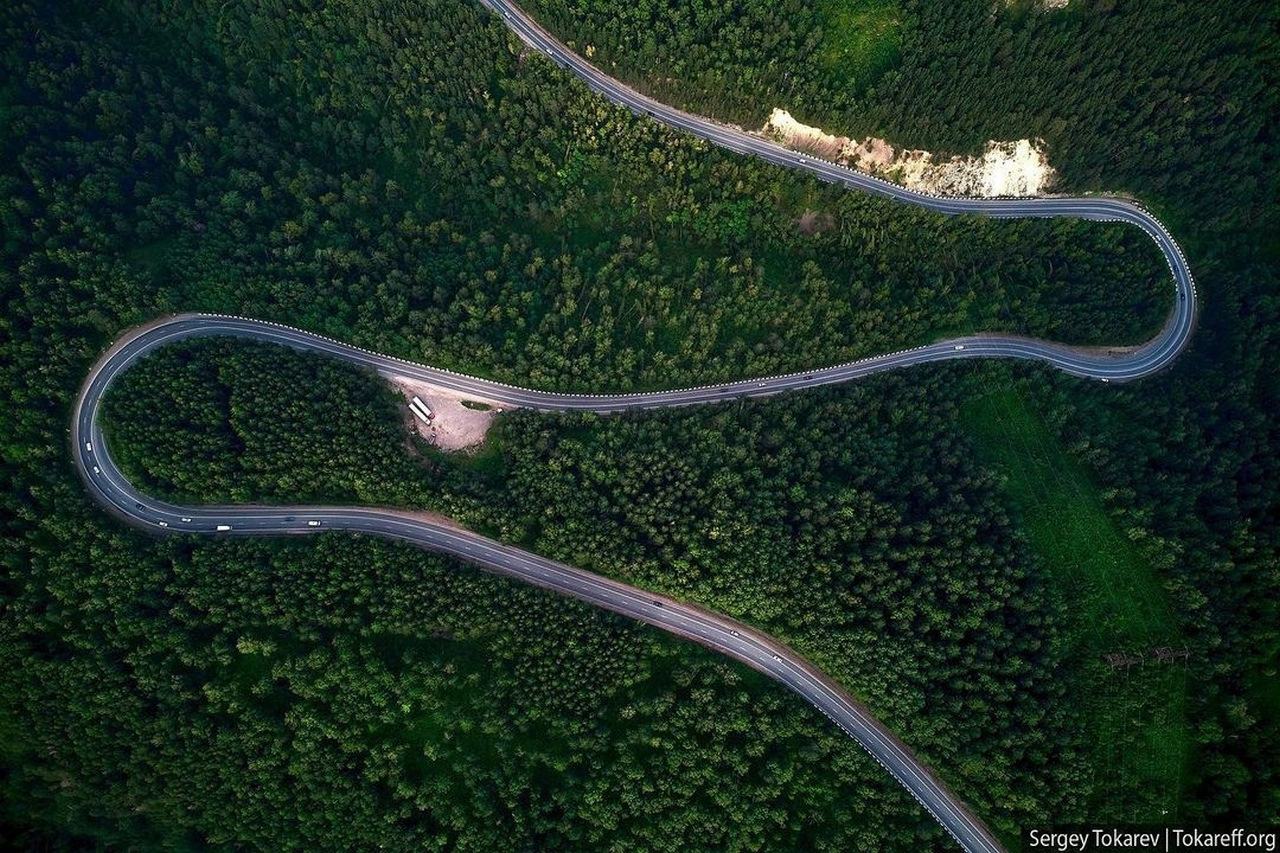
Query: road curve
[(109, 487), (114, 492), (1093, 363)]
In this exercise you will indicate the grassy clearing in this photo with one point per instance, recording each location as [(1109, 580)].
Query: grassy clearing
[(486, 460), (861, 38), (1137, 716), (1070, 530)]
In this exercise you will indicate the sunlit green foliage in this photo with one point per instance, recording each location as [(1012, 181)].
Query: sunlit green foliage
[(1163, 99), (406, 177)]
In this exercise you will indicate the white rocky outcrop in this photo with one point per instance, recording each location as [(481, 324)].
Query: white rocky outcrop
[(1017, 168)]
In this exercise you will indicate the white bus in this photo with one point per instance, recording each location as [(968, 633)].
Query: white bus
[(421, 410)]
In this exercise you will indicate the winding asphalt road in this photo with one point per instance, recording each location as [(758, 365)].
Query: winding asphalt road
[(1096, 363), (113, 491), (110, 488)]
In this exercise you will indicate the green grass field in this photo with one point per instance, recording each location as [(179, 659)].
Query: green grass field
[(861, 37), (1137, 716)]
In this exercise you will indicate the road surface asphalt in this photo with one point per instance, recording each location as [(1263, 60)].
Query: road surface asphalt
[(737, 640)]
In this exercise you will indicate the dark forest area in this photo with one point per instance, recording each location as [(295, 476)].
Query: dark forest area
[(960, 545)]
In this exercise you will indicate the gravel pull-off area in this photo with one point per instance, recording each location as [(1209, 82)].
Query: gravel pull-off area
[(1016, 168), (455, 426)]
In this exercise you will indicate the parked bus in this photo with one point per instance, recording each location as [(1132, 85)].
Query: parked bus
[(421, 409)]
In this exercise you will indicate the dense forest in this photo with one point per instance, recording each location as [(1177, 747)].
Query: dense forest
[(1175, 102), (960, 545), (598, 251), (868, 496), (1169, 100)]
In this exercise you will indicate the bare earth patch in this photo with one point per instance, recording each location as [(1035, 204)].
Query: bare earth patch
[(455, 426), (1016, 168), (812, 222)]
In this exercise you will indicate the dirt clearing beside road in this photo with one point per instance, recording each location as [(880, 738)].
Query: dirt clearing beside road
[(455, 426)]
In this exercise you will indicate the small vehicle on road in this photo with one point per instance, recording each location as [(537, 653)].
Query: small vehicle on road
[(186, 521), (313, 524)]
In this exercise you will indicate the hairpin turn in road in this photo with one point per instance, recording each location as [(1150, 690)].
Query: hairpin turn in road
[(110, 488)]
